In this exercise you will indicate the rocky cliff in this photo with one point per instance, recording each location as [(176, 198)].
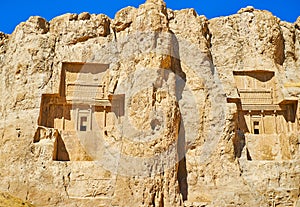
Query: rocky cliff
[(152, 108)]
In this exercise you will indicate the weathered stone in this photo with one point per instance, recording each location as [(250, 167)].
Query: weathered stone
[(72, 30), (123, 19), (154, 108), (247, 9), (8, 200), (3, 39), (36, 25), (84, 16)]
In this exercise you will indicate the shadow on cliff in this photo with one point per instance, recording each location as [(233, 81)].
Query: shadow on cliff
[(180, 85)]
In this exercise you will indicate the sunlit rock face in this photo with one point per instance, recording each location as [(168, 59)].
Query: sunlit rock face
[(152, 108)]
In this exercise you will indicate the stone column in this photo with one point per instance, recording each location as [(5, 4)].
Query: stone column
[(63, 116), (77, 119), (251, 124), (262, 122), (290, 128), (89, 127), (104, 117), (275, 121)]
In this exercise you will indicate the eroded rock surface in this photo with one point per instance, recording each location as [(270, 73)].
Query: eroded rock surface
[(152, 108)]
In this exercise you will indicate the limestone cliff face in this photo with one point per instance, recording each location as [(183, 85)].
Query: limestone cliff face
[(152, 108)]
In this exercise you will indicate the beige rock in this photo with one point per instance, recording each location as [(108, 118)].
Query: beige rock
[(84, 16), (35, 24), (247, 9), (8, 200), (154, 108), (123, 19), (3, 37), (72, 29)]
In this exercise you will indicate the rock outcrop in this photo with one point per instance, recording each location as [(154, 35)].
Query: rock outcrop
[(152, 108), (8, 200)]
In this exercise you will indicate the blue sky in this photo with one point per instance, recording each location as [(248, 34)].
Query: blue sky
[(14, 12)]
